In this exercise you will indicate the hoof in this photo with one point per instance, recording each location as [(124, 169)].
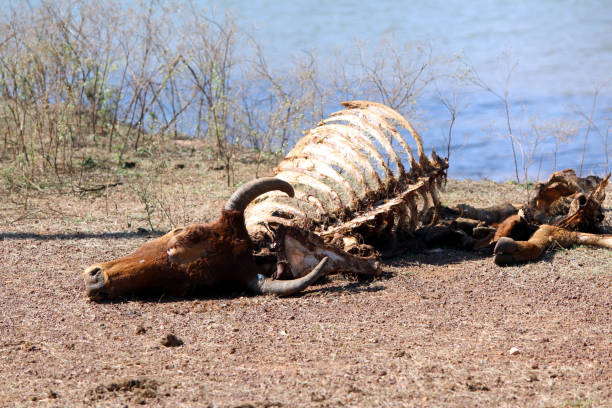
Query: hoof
[(503, 251), (505, 245)]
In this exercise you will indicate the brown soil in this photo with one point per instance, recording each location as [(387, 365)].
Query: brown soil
[(435, 330)]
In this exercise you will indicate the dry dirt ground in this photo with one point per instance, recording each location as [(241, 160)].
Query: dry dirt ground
[(435, 330)]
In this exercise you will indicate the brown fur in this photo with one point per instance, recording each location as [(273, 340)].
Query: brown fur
[(560, 184), (175, 261), (583, 213), (509, 251), (563, 211), (222, 252)]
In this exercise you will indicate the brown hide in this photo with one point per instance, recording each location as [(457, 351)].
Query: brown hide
[(505, 228), (183, 259), (547, 196), (583, 213), (509, 251), (215, 253), (560, 184), (562, 213), (199, 255)]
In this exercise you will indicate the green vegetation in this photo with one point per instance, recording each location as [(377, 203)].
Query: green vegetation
[(86, 86)]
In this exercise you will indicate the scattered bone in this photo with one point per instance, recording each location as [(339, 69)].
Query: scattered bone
[(514, 351)]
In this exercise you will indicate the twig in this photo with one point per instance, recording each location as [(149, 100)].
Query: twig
[(99, 188)]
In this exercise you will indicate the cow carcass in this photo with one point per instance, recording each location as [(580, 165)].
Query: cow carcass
[(351, 190), (341, 194)]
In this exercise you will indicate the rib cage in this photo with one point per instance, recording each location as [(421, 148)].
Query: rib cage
[(351, 181)]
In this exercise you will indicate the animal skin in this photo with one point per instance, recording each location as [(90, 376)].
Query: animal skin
[(565, 211), (565, 208), (340, 199)]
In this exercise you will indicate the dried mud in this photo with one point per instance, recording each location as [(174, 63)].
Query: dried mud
[(435, 330)]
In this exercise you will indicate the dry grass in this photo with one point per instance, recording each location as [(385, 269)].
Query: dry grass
[(435, 330)]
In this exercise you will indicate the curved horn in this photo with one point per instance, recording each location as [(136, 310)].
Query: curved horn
[(262, 285), (249, 191)]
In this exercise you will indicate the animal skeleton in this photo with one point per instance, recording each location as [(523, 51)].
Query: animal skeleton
[(352, 191)]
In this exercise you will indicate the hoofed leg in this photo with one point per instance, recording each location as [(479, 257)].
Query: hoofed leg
[(509, 251)]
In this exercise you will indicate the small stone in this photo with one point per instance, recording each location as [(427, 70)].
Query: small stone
[(171, 341), (316, 397), (141, 330), (353, 389), (532, 377), (477, 386), (30, 347), (514, 351)]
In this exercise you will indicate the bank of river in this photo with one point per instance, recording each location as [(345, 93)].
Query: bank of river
[(563, 50)]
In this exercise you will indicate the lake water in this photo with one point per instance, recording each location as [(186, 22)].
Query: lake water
[(563, 49)]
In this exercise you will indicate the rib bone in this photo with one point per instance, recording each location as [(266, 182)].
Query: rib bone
[(346, 195)]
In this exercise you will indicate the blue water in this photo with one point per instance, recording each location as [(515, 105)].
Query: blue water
[(563, 49)]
